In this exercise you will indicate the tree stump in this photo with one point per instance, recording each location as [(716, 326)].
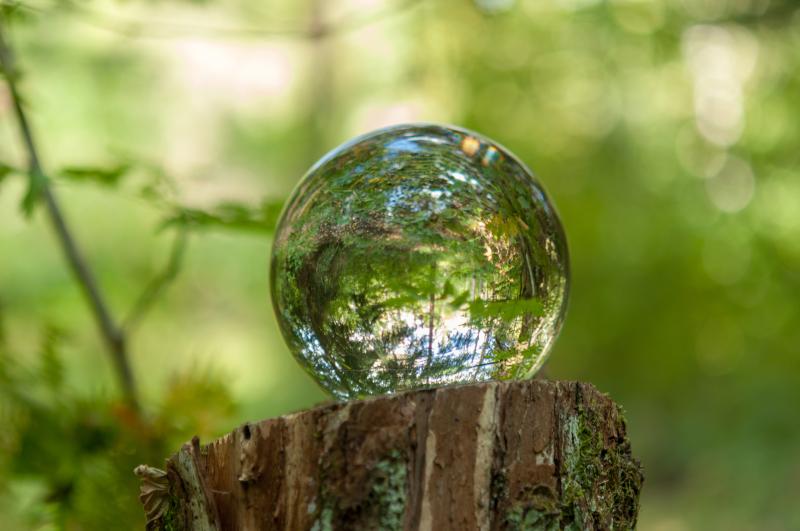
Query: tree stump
[(530, 454)]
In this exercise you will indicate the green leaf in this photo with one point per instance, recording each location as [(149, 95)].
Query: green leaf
[(459, 300), (36, 186), (228, 215), (504, 310), (5, 171), (402, 301), (110, 177), (448, 290)]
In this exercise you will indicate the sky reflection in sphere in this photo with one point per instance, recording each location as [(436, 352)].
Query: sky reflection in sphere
[(415, 256)]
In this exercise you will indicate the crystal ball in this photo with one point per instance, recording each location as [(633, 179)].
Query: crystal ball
[(417, 256)]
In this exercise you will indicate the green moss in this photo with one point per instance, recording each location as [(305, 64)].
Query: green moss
[(580, 468), (171, 519), (600, 483)]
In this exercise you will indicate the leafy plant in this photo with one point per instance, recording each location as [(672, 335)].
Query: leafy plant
[(75, 449), (69, 449)]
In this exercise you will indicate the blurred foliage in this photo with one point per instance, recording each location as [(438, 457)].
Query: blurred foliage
[(665, 132), (71, 453)]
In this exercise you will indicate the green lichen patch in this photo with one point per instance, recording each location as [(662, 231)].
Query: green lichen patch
[(384, 506), (389, 490), (540, 511), (325, 520)]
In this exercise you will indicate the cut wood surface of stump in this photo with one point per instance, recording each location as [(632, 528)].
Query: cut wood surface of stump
[(530, 454)]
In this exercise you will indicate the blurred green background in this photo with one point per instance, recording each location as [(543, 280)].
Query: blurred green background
[(667, 132)]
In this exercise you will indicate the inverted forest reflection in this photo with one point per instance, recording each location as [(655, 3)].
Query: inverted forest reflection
[(417, 256)]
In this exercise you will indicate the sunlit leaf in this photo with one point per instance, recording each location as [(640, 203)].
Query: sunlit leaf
[(505, 310)]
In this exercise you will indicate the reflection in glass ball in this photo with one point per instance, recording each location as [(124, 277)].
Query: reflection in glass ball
[(415, 256)]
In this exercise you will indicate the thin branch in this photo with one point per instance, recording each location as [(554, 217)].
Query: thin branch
[(112, 334), (155, 288)]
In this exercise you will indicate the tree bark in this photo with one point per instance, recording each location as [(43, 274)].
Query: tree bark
[(531, 454)]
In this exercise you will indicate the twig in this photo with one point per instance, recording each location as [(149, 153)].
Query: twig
[(112, 334), (157, 285)]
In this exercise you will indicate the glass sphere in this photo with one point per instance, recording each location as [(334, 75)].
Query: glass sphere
[(416, 256)]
